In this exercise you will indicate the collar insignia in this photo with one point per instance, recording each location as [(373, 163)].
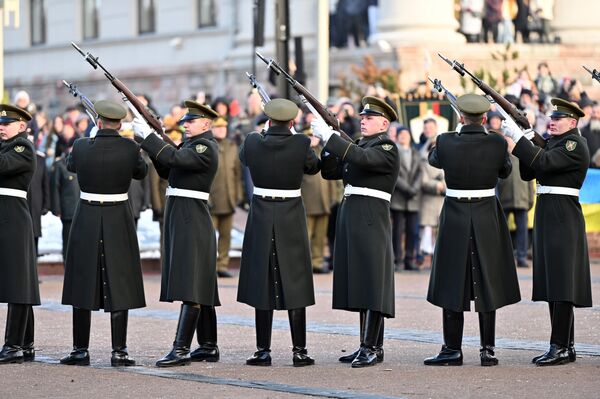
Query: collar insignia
[(19, 148), (387, 147), (200, 148)]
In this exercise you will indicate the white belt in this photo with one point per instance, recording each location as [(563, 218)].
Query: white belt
[(369, 192), (557, 190), (182, 192), (487, 192), (12, 192), (271, 192), (103, 197)]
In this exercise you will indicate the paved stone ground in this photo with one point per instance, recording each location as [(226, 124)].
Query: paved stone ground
[(415, 333)]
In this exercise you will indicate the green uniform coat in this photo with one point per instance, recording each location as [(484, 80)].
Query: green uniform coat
[(189, 265), (561, 266), (18, 267), (363, 269)]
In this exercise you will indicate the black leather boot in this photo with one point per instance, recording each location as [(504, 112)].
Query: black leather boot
[(349, 358), (571, 349), (118, 330), (487, 334), (297, 319), (367, 355), (80, 356), (206, 333), (180, 354), (551, 309), (562, 319), (16, 323), (451, 353), (28, 347), (264, 323)]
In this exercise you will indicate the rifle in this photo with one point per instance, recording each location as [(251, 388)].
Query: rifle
[(264, 96), (437, 85), (85, 102), (595, 73), (135, 105), (306, 97), (505, 107)]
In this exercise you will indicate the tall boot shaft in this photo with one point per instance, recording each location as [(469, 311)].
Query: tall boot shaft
[(562, 321), (206, 331), (487, 329), (373, 322), (380, 337), (16, 324), (264, 325), (453, 323), (362, 316), (118, 329), (30, 329), (82, 320), (188, 321), (297, 318)]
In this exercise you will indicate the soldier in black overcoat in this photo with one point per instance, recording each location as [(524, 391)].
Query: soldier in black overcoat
[(103, 269), (18, 269), (64, 196), (363, 268), (561, 266), (276, 271), (473, 258), (189, 265)]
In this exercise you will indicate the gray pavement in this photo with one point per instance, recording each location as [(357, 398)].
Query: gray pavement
[(522, 332)]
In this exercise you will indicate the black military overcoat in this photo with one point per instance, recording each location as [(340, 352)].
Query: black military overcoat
[(277, 160), (102, 268), (363, 269), (472, 160), (18, 265), (561, 266), (189, 265)]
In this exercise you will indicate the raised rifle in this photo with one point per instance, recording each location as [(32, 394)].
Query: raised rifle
[(437, 85), (508, 110), (135, 105), (264, 96), (85, 102), (306, 97), (595, 73)]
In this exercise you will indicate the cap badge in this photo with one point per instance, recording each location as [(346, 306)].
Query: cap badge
[(3, 113), (555, 108), (19, 148), (200, 148), (367, 106), (570, 145)]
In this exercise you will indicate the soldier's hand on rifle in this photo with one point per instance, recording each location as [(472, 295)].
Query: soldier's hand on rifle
[(512, 130), (141, 128), (321, 130)]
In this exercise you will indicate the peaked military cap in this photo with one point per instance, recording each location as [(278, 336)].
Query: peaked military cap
[(377, 106), (197, 110), (565, 109), (110, 110), (281, 110), (473, 104), (220, 122), (10, 113)]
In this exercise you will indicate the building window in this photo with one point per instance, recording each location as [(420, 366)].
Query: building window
[(206, 13), (90, 18), (146, 20), (38, 22)]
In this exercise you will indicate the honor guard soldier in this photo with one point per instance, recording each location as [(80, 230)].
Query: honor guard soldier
[(561, 266), (275, 271), (363, 268), (189, 264), (473, 258), (103, 269), (18, 269)]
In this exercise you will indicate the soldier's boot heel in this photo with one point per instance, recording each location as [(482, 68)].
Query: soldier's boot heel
[(180, 354)]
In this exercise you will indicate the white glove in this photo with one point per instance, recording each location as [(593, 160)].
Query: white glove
[(321, 130), (93, 131), (512, 130), (141, 128)]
